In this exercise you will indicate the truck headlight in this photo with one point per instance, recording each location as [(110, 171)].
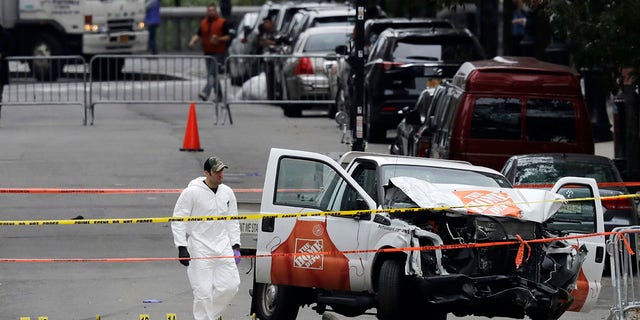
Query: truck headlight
[(139, 25)]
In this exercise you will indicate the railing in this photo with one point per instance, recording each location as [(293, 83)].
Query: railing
[(141, 79), (56, 80), (624, 273), (149, 79)]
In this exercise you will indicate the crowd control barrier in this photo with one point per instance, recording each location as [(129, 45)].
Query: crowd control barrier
[(53, 80), (294, 82), (108, 79), (150, 79), (624, 273)]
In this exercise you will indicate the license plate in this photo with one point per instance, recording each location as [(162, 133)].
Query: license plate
[(123, 38)]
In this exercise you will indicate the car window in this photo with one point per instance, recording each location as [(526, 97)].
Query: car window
[(575, 216), (314, 185), (541, 112), (435, 49), (548, 170), (496, 118), (325, 42), (366, 176), (333, 21), (443, 175)]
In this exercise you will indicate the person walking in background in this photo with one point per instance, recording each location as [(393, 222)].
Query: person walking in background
[(214, 281), (152, 20), (4, 64), (518, 23), (214, 32)]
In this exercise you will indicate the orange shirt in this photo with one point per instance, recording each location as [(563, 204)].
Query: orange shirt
[(208, 28)]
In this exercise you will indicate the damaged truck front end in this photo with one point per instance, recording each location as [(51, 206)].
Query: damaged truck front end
[(490, 269)]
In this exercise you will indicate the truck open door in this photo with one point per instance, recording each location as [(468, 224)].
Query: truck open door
[(582, 214)]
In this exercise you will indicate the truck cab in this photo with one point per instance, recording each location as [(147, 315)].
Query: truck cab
[(372, 234), (86, 28)]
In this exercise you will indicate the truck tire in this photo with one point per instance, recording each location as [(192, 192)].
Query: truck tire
[(391, 291), (273, 302), (46, 45), (396, 297)]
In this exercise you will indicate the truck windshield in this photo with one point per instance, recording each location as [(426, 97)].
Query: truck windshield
[(444, 175)]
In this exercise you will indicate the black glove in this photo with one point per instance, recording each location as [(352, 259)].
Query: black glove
[(184, 253)]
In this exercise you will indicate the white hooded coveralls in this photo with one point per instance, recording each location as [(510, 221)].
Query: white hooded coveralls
[(214, 281)]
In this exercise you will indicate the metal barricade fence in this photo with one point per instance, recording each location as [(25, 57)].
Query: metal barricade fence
[(53, 80), (624, 273), (295, 82), (151, 79)]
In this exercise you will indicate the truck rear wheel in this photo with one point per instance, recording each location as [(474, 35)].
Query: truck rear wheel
[(274, 302), (45, 46)]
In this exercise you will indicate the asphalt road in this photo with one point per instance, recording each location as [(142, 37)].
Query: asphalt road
[(132, 146)]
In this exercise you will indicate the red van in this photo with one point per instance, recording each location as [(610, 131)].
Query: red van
[(506, 106)]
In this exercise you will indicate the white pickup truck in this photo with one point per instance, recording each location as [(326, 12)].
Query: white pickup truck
[(338, 263)]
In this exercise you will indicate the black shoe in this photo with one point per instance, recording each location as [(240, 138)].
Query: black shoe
[(202, 96)]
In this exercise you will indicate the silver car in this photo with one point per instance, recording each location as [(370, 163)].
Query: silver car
[(306, 82)]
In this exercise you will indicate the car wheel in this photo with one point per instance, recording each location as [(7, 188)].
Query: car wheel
[(44, 69), (274, 302), (391, 291), (396, 297), (292, 111)]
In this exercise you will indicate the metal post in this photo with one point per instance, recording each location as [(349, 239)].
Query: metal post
[(357, 107)]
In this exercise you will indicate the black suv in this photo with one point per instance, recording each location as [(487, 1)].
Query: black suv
[(402, 63)]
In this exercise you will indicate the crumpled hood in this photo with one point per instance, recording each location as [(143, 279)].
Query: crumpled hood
[(525, 204)]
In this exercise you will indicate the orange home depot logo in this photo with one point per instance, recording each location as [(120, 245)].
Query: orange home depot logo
[(311, 260), (489, 202)]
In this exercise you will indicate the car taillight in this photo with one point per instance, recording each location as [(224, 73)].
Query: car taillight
[(618, 204), (304, 66), (423, 148), (388, 65)]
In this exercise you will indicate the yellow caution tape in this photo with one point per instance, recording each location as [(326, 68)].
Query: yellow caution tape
[(256, 216)]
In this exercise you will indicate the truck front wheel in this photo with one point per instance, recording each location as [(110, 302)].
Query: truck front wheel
[(397, 298), (274, 302), (46, 46)]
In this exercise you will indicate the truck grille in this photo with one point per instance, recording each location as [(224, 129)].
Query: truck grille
[(119, 25)]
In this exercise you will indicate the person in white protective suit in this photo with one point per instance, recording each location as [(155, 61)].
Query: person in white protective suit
[(215, 281)]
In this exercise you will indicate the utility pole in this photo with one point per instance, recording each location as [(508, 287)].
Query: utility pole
[(357, 108)]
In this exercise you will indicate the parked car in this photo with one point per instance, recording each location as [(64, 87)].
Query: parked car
[(304, 73), (413, 132), (372, 29), (497, 108), (540, 170), (246, 43), (315, 17), (295, 18), (339, 261), (404, 62)]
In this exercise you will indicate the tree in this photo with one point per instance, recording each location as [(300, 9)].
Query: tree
[(605, 34)]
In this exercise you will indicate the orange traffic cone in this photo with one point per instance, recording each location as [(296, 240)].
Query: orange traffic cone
[(191, 137)]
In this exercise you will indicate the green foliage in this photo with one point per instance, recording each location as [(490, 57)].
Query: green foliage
[(601, 33)]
